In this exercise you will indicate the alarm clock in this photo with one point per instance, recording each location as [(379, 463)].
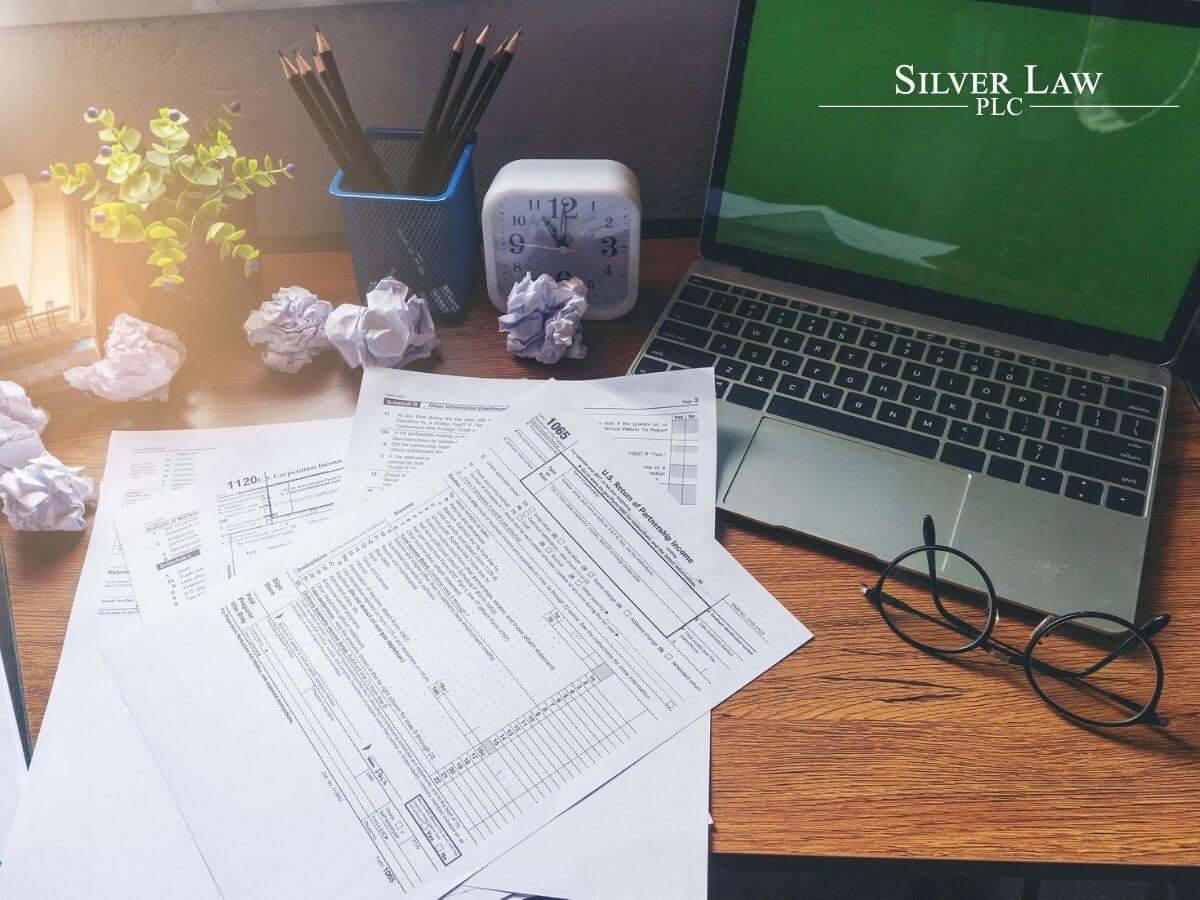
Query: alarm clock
[(565, 218)]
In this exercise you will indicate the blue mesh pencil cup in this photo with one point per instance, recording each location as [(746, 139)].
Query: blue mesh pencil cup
[(429, 243)]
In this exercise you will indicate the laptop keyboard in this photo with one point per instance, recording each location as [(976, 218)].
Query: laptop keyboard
[(1052, 427)]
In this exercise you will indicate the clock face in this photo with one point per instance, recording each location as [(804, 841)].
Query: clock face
[(565, 236)]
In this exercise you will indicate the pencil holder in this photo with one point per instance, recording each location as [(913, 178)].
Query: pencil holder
[(429, 243)]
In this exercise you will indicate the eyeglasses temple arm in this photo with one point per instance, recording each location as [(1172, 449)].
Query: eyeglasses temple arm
[(1154, 626)]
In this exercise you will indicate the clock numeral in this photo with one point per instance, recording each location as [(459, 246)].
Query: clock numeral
[(517, 267), (608, 220), (516, 243), (608, 246), (520, 220), (567, 205), (608, 270)]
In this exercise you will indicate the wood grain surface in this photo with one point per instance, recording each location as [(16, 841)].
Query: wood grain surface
[(855, 746)]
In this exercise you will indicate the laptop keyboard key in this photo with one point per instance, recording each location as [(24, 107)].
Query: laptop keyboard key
[(1073, 371), (920, 397), (918, 373), (958, 407), (1044, 479), (1010, 373), (968, 346), (1138, 404), (1040, 452), (724, 344), (1087, 391), (1007, 469), (1084, 489), (928, 423), (1105, 378), (894, 414), (1132, 426), (1095, 417), (988, 390), (694, 293), (876, 340), (688, 357), (963, 433), (1023, 399), (752, 309), (755, 353), (722, 303), (1027, 425), (907, 348), (744, 292), (866, 321), (727, 325), (730, 368), (791, 386), (963, 457), (952, 381), (1058, 408), (746, 396), (784, 318), (1064, 434), (787, 362), (1003, 442), (860, 404), (852, 426), (817, 370), (886, 388), (882, 364), (761, 378), (851, 378), (720, 386), (1125, 501), (998, 353), (1035, 361), (1142, 388), (683, 334), (836, 314), (820, 348), (826, 395), (842, 331), (991, 416), (1104, 469), (931, 337), (942, 356), (1048, 382), (646, 366), (977, 366), (852, 356), (813, 325), (898, 329), (756, 331), (693, 315), (1120, 448), (789, 340)]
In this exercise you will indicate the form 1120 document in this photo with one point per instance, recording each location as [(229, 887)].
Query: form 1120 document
[(406, 693)]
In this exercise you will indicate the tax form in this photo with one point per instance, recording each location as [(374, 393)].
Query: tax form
[(95, 818), (404, 694)]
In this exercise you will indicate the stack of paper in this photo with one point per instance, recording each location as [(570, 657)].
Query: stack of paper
[(396, 700)]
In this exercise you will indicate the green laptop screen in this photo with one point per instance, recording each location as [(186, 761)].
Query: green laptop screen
[(911, 140)]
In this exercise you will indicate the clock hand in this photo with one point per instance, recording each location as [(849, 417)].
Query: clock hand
[(553, 229)]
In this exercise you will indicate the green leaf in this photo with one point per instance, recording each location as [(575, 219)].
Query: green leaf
[(237, 235), (244, 251), (130, 138), (158, 158), (158, 231), (207, 211), (236, 193), (131, 230), (208, 177), (226, 250), (214, 230), (179, 227), (240, 169)]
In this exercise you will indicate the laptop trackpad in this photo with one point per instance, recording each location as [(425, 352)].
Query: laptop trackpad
[(839, 490)]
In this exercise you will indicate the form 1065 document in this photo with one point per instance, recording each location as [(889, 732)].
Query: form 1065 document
[(404, 694)]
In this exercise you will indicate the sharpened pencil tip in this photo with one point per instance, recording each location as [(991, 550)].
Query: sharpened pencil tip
[(483, 35), (289, 70), (511, 45), (458, 41), (322, 43), (302, 64)]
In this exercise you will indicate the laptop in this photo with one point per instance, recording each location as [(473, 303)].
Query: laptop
[(948, 255)]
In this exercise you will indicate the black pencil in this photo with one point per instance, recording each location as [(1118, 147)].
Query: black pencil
[(323, 128), (327, 68), (446, 164), (324, 105), (429, 134), (480, 84), (454, 107)]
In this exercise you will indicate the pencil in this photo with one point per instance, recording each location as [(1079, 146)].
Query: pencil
[(454, 107), (327, 68), (446, 165), (323, 128), (330, 115), (480, 83), (429, 133)]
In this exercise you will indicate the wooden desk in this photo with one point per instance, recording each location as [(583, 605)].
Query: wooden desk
[(856, 746)]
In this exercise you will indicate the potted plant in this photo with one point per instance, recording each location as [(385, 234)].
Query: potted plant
[(179, 198)]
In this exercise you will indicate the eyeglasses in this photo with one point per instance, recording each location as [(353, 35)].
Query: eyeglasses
[(1092, 667)]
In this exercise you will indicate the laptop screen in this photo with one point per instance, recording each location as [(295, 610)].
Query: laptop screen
[(1028, 158)]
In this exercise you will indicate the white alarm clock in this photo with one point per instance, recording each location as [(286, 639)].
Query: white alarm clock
[(565, 218)]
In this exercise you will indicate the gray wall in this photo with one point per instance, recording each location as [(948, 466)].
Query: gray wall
[(634, 80)]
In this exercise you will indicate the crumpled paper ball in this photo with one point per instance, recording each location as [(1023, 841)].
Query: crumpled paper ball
[(291, 325), (139, 362), (392, 330), (545, 319), (45, 495), (21, 424)]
